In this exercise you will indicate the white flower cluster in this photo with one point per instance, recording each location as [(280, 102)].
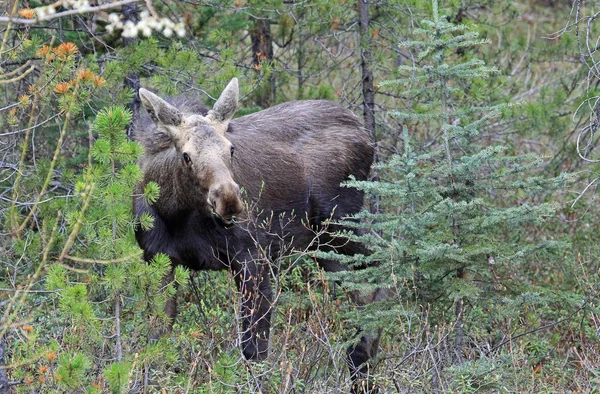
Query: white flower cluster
[(81, 5), (146, 25), (43, 12)]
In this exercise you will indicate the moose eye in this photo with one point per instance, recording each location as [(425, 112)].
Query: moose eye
[(232, 149), (186, 158)]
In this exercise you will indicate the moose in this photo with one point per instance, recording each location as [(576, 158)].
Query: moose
[(287, 161)]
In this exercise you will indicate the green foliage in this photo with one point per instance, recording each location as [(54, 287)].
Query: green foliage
[(74, 303), (112, 146), (117, 376), (453, 219), (151, 192), (464, 133), (105, 278), (71, 370)]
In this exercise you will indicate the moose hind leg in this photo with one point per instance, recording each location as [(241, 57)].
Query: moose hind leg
[(359, 366), (253, 283), (360, 354)]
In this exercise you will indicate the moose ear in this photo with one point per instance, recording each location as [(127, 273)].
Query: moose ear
[(226, 105), (159, 110)]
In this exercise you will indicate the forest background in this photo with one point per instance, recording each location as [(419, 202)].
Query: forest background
[(480, 213)]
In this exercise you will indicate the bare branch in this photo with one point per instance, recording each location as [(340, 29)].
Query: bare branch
[(47, 17)]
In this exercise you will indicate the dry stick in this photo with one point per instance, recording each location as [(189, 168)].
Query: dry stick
[(52, 165), (130, 375), (105, 262), (6, 319), (47, 17), (18, 77), (459, 312), (18, 69), (151, 9), (192, 370), (286, 363), (69, 268), (131, 14), (29, 291), (118, 343)]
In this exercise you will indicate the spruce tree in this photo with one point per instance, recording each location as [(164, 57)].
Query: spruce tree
[(456, 212)]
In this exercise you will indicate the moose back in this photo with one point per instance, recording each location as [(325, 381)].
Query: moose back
[(286, 163)]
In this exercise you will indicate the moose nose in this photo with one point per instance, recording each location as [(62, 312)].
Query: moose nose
[(225, 200)]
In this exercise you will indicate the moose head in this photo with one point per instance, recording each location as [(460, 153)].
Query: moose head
[(204, 153)]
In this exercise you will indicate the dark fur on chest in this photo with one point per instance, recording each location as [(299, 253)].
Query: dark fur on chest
[(189, 239)]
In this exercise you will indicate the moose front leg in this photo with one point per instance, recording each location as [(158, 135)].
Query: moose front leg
[(253, 283)]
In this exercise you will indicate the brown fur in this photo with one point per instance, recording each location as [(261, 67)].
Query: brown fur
[(289, 160)]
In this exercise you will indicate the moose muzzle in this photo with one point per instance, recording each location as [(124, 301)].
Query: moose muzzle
[(225, 200)]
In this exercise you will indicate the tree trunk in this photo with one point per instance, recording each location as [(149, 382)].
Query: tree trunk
[(301, 63), (132, 81), (368, 89), (460, 310), (365, 62), (4, 386), (262, 51)]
